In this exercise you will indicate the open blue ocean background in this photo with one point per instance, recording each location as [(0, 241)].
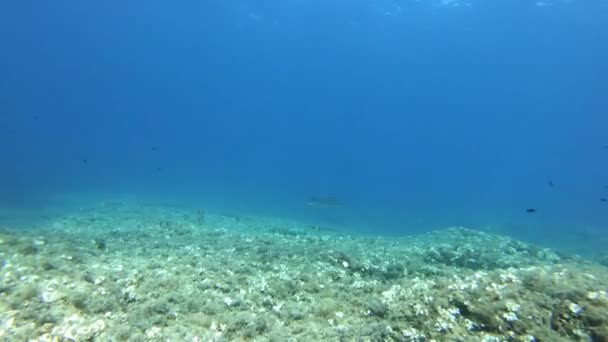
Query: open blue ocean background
[(416, 115)]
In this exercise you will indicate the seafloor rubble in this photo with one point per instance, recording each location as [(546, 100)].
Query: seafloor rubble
[(126, 273)]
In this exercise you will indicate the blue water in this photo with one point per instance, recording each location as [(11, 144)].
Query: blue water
[(415, 114)]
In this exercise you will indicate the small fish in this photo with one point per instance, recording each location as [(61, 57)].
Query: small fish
[(551, 183), (85, 161), (604, 199), (324, 202), (154, 148), (530, 210)]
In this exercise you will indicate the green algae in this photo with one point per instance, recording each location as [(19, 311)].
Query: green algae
[(119, 274)]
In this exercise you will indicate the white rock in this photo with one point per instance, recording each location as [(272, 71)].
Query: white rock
[(575, 308), (49, 296), (509, 316)]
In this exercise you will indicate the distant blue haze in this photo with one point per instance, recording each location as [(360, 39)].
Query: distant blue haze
[(416, 115)]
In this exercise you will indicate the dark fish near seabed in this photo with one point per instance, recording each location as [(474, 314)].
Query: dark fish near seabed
[(530, 210), (324, 202)]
